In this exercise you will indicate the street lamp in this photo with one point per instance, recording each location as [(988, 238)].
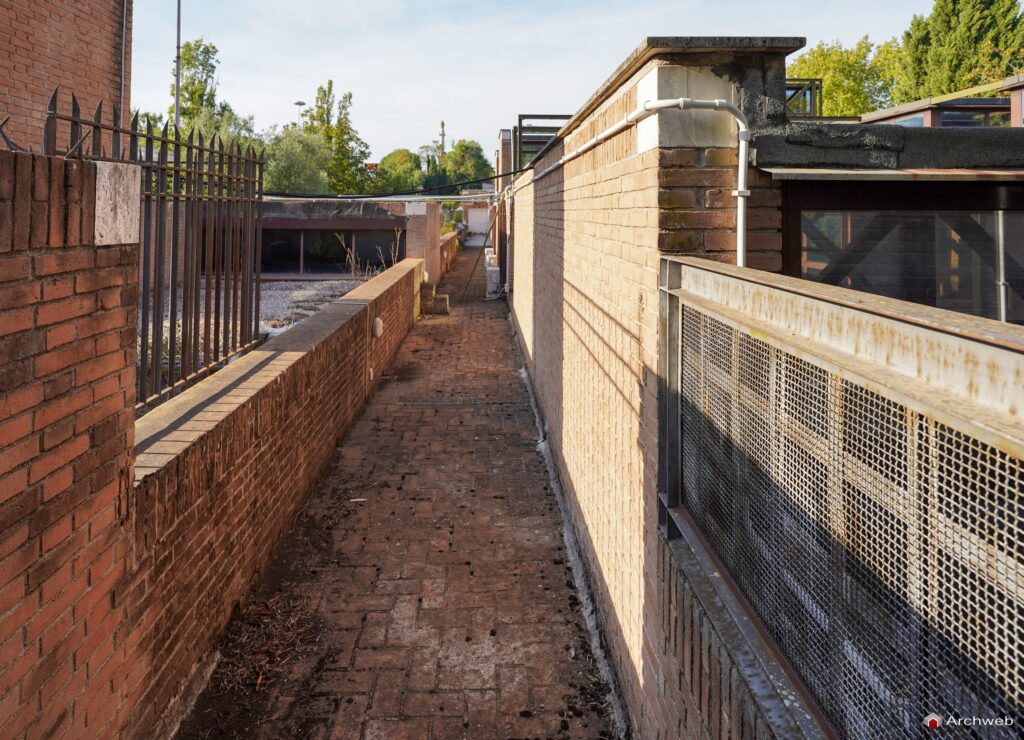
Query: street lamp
[(298, 118), (177, 74)]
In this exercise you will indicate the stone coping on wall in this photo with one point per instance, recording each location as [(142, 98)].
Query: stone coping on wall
[(973, 328), (165, 432), (654, 46)]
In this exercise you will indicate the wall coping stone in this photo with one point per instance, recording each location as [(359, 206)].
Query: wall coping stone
[(652, 47), (169, 429)]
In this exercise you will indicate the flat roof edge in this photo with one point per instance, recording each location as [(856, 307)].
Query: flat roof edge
[(848, 173), (653, 46)]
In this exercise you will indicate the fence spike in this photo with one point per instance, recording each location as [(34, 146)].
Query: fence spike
[(163, 144), (50, 129), (133, 138), (76, 127), (115, 136), (97, 132)]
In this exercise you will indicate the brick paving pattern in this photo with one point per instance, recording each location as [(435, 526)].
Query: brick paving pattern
[(423, 592)]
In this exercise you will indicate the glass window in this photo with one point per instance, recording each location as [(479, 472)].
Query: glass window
[(911, 121), (962, 119), (949, 259), (1000, 119)]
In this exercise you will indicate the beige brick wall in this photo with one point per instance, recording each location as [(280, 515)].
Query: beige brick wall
[(586, 250), (422, 234), (587, 241)]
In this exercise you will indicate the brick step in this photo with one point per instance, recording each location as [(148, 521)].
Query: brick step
[(427, 291), (436, 305)]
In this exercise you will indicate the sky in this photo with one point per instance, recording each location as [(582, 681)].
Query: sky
[(474, 64)]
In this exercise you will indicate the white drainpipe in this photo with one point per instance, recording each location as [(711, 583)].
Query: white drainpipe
[(648, 109)]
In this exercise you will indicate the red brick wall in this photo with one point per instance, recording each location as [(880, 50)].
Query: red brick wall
[(221, 471), (67, 378), (112, 594), (74, 44), (449, 250)]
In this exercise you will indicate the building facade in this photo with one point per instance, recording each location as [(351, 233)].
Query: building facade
[(81, 47)]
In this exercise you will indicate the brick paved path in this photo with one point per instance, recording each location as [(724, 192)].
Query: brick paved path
[(423, 592)]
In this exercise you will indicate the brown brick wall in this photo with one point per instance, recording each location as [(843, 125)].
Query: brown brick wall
[(422, 235), (449, 251), (697, 211), (73, 44), (587, 240), (112, 594), (67, 378)]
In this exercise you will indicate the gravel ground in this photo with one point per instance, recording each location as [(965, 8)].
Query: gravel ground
[(284, 304)]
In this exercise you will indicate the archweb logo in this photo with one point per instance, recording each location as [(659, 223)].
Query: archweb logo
[(933, 721)]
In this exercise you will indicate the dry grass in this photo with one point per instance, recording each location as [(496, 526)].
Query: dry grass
[(261, 642)]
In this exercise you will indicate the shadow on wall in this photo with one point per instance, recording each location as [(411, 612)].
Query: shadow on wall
[(876, 667), (553, 298)]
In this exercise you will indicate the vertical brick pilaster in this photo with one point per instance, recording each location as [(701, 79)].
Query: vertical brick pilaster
[(66, 424), (22, 199), (73, 192), (57, 214), (6, 201)]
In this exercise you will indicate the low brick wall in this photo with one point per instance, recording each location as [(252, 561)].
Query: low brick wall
[(222, 470), (449, 250), (113, 594)]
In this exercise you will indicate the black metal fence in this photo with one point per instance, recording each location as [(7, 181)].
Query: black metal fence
[(201, 216)]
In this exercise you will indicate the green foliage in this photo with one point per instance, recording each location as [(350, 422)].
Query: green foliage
[(198, 79), (200, 110), (960, 44), (323, 153), (221, 120), (852, 82), (156, 120), (346, 166), (296, 162), (399, 171), (466, 161)]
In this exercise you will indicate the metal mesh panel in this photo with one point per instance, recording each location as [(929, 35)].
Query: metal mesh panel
[(881, 548)]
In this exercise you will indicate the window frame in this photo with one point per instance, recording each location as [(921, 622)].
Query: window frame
[(866, 195)]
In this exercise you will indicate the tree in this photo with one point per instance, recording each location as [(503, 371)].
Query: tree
[(852, 78), (466, 161), (296, 162), (346, 168), (432, 158), (961, 43), (221, 120), (399, 171), (198, 79), (347, 171), (156, 120)]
